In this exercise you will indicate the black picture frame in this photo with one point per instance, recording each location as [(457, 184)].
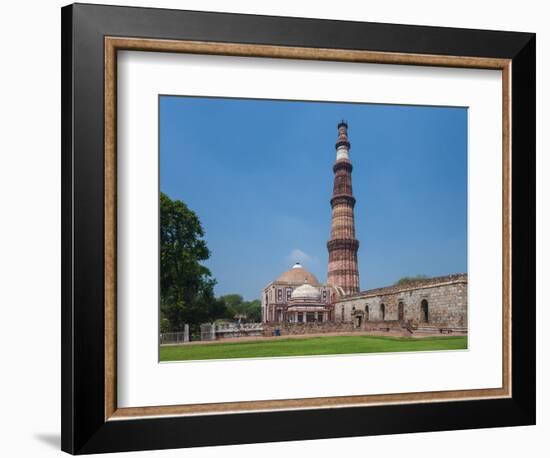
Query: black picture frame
[(84, 428)]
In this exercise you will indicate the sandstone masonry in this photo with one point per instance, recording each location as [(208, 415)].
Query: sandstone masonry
[(440, 302)]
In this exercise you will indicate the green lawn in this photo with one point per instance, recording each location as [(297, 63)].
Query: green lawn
[(333, 345)]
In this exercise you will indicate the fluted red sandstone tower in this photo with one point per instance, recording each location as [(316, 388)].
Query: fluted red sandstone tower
[(343, 272)]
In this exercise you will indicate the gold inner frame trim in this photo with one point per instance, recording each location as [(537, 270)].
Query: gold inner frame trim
[(114, 44)]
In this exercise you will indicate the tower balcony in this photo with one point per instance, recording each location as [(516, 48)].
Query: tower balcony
[(343, 142), (343, 244), (346, 199), (342, 164)]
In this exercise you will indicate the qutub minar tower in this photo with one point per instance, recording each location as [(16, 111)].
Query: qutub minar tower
[(343, 272)]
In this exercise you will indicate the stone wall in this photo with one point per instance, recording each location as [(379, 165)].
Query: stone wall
[(215, 331), (307, 328), (446, 299)]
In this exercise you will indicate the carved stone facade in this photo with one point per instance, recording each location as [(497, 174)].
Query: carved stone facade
[(343, 271), (296, 297), (440, 302)]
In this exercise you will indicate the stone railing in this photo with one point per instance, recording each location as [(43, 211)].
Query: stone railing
[(215, 331), (284, 329)]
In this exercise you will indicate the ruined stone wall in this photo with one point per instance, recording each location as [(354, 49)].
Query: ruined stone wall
[(446, 299), (286, 329)]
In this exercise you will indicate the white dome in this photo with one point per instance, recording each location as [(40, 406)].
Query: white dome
[(306, 291)]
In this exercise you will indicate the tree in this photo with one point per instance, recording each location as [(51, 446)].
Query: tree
[(186, 286), (409, 280), (234, 304), (254, 310), (238, 308)]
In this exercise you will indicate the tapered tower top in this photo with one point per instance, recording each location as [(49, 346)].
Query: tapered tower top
[(342, 142)]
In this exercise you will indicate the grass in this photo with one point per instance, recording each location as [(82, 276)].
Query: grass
[(333, 345)]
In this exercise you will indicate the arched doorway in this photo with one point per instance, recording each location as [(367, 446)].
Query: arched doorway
[(424, 311), (358, 321), (383, 311), (401, 311)]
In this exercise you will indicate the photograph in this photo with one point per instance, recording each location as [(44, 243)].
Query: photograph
[(267, 250), (275, 229)]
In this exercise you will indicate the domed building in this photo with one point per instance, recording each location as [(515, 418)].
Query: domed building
[(306, 305), (296, 296)]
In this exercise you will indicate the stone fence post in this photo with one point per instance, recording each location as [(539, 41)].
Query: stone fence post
[(208, 331), (186, 333)]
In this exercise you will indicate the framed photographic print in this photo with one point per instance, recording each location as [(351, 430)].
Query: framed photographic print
[(271, 222)]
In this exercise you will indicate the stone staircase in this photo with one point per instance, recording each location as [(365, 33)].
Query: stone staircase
[(428, 329), (391, 327), (409, 329)]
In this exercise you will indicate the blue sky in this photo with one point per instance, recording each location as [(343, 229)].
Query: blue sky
[(259, 175)]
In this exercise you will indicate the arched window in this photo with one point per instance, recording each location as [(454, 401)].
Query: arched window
[(383, 311), (366, 313), (424, 311), (401, 311)]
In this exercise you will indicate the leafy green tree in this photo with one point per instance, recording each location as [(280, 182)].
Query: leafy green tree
[(182, 248), (254, 310), (164, 324), (234, 303), (238, 308), (172, 315), (187, 287)]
